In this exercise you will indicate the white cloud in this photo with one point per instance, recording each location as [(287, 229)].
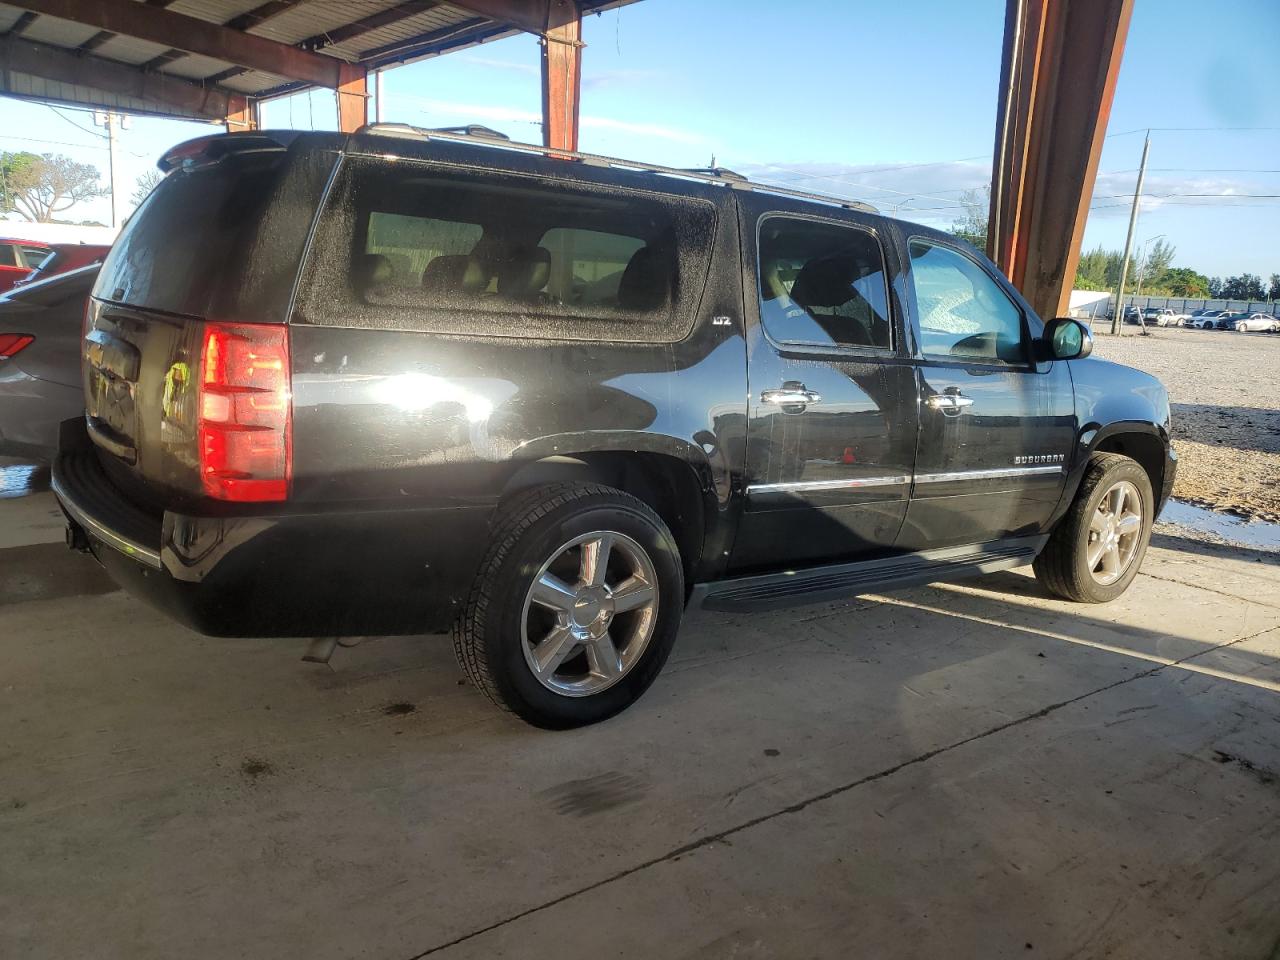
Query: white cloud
[(472, 112), (928, 191)]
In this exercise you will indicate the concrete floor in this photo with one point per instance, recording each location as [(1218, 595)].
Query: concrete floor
[(956, 771)]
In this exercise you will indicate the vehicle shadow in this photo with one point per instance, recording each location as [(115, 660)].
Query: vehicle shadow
[(1243, 428)]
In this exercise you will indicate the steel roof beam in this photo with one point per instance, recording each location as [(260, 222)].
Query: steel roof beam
[(60, 65), (193, 35)]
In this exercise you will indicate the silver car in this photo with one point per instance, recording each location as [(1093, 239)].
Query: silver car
[(1257, 323), (40, 362)]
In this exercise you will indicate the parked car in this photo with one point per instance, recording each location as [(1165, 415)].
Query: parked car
[(368, 384), (1163, 317), (63, 258), (17, 259), (1261, 322), (1132, 315), (40, 382), (1228, 320), (1208, 320)]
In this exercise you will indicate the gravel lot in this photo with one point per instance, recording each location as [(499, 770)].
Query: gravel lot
[(1225, 391)]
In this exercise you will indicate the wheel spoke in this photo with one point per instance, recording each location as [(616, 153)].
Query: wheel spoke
[(554, 649), (1094, 556), (1111, 561), (595, 560), (1117, 501), (1098, 524), (550, 591), (631, 594), (1129, 523), (603, 657)]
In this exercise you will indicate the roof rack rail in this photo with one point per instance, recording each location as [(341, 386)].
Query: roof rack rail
[(483, 136), (721, 172)]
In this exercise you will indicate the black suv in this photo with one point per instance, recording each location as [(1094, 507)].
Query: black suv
[(405, 381)]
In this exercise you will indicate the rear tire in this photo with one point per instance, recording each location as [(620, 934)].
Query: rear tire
[(576, 605), (1095, 551)]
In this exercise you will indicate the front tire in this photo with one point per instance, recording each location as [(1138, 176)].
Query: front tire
[(1095, 551), (576, 605)]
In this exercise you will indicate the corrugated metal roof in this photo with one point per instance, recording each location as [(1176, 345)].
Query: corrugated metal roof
[(416, 35)]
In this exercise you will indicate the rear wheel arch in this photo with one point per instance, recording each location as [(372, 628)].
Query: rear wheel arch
[(667, 484)]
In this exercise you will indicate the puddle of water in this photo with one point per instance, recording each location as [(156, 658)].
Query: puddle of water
[(1247, 533), (19, 480)]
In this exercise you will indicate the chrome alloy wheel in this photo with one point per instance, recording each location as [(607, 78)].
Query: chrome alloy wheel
[(589, 613), (1114, 533)]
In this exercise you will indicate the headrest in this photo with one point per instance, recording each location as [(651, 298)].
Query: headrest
[(453, 273), (771, 285), (525, 274), (825, 283), (373, 269), (644, 282)]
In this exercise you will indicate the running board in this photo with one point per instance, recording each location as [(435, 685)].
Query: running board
[(815, 584)]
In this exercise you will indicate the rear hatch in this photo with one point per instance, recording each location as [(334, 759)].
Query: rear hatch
[(215, 249)]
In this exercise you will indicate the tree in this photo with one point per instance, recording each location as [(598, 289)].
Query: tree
[(1247, 286), (1099, 269), (1156, 262), (1183, 282), (972, 225), (142, 189), (1274, 292), (38, 188), (1215, 288)]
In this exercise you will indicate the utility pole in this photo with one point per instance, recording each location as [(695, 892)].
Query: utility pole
[(1117, 319), (112, 121)]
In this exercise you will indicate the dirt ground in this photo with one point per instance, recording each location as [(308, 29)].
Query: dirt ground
[(1225, 392)]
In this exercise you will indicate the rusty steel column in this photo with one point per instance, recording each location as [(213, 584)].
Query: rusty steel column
[(353, 98), (561, 75), (1058, 78), (242, 114)]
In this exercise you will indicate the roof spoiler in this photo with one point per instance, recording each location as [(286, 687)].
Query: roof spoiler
[(203, 151)]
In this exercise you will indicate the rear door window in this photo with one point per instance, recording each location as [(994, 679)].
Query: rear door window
[(823, 284), (427, 248)]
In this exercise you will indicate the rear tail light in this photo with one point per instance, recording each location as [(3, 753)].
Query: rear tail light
[(244, 413), (11, 344)]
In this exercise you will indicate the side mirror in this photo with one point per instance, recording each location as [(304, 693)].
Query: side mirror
[(1067, 339)]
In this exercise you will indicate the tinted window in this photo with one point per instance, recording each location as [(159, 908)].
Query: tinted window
[(587, 265), (220, 239), (398, 249), (964, 315), (32, 256), (438, 251), (821, 283)]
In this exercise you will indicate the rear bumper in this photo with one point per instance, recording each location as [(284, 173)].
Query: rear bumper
[(302, 574)]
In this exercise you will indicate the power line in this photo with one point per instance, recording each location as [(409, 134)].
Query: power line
[(91, 133), (57, 143)]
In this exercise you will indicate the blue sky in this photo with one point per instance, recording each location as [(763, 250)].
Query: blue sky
[(891, 103)]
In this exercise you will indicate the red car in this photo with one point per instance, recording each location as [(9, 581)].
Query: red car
[(18, 258), (63, 258)]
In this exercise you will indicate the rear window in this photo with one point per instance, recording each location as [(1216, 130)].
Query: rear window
[(33, 257), (421, 247), (219, 240)]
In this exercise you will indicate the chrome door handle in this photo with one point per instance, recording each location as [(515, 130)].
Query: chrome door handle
[(790, 394), (949, 403)]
